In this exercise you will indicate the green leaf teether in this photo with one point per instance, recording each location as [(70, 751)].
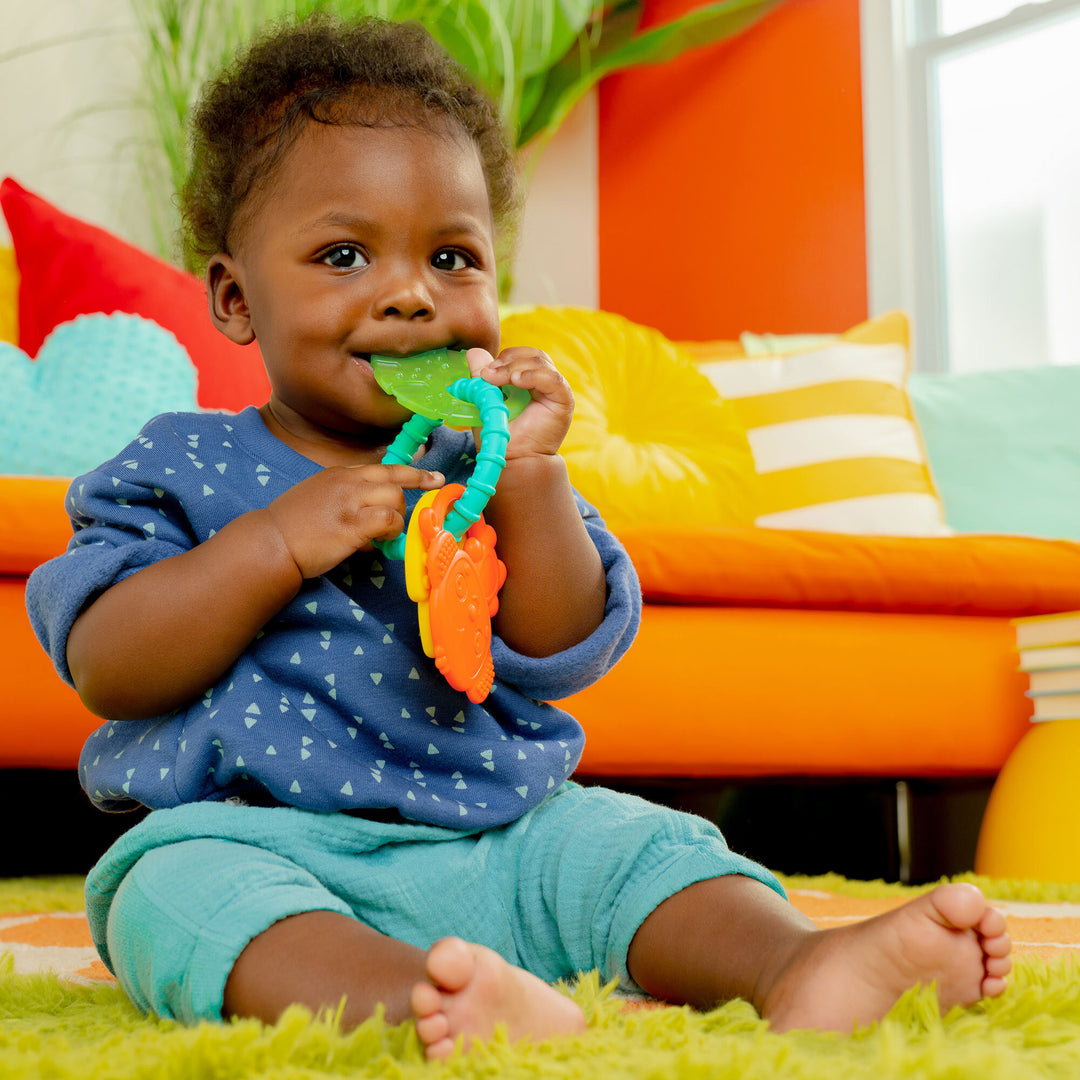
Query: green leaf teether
[(420, 383)]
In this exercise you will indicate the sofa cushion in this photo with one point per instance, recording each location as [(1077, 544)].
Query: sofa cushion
[(651, 441), (832, 432), (68, 267), (727, 692), (1005, 448), (34, 525), (962, 575), (94, 384)]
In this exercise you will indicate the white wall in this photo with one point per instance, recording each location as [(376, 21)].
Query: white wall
[(69, 74), (558, 258), (889, 214), (68, 77)]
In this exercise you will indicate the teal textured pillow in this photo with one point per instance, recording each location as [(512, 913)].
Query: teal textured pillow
[(1004, 448), (95, 382)]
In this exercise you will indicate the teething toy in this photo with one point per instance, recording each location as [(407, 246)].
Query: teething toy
[(455, 584), (421, 383), (451, 570)]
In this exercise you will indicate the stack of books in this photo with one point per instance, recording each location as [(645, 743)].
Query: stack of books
[(1049, 648)]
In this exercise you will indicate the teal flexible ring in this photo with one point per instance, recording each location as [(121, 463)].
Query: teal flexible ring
[(413, 434), (490, 461)]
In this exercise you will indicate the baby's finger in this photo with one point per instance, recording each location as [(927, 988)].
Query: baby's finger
[(542, 380), (401, 476), (479, 361), (516, 354), (521, 358), (376, 513), (378, 522)]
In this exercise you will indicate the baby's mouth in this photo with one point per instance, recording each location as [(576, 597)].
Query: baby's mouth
[(407, 354)]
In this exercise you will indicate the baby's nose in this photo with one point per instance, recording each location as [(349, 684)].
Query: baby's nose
[(405, 296)]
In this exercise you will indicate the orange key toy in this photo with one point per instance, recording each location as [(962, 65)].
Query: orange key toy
[(455, 584)]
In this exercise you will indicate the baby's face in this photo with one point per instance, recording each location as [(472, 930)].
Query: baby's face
[(365, 241)]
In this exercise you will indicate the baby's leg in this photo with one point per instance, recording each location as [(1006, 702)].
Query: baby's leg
[(733, 937), (454, 989), (315, 959), (205, 928)]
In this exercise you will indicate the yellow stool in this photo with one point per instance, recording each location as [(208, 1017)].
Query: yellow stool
[(1031, 828)]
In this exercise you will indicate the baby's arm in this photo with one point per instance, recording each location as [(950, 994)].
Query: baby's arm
[(555, 588), (159, 638)]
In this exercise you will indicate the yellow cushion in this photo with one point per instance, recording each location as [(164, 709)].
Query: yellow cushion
[(9, 296), (651, 441), (832, 431)]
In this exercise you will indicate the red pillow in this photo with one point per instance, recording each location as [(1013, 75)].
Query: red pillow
[(68, 267)]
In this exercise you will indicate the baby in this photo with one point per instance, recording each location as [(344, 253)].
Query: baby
[(330, 819)]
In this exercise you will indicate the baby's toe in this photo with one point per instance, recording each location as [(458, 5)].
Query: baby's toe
[(425, 1000), (992, 924), (451, 964), (440, 1050), (433, 1029)]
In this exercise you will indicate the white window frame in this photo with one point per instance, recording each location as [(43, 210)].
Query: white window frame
[(901, 146)]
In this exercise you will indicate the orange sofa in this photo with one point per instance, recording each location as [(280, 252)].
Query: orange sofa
[(814, 655)]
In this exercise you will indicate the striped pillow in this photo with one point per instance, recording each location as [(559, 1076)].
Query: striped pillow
[(833, 435)]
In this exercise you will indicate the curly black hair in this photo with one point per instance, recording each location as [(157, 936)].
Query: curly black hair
[(325, 70)]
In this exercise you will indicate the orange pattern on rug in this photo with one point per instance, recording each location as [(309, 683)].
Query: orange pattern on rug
[(56, 941)]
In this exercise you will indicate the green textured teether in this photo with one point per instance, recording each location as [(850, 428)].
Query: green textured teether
[(419, 382)]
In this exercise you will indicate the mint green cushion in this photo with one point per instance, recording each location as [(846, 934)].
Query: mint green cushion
[(1004, 448), (95, 382)]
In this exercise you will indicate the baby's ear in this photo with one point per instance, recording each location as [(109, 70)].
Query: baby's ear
[(228, 305)]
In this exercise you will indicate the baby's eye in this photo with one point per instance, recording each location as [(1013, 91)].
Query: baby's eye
[(449, 259), (345, 257)]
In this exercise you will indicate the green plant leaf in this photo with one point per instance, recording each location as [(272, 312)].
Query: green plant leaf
[(476, 34), (617, 48), (617, 25), (504, 43), (547, 31)]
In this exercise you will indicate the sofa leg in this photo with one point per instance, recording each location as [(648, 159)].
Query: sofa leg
[(903, 830)]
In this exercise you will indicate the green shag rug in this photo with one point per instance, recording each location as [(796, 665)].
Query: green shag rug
[(51, 1030)]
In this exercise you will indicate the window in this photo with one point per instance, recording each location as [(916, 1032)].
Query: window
[(972, 117)]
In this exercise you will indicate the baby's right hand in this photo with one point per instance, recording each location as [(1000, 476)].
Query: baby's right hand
[(324, 519)]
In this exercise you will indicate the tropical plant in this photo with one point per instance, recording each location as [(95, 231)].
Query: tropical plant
[(537, 57)]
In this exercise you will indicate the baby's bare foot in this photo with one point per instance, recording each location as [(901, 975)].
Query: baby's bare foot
[(855, 974), (472, 989)]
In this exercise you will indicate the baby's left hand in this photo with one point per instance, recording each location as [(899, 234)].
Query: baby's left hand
[(542, 425)]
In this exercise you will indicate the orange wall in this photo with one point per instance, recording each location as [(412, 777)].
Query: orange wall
[(731, 180)]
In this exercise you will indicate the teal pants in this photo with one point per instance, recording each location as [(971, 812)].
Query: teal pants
[(561, 890)]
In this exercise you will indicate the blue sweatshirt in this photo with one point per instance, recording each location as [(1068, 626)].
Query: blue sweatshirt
[(334, 705)]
